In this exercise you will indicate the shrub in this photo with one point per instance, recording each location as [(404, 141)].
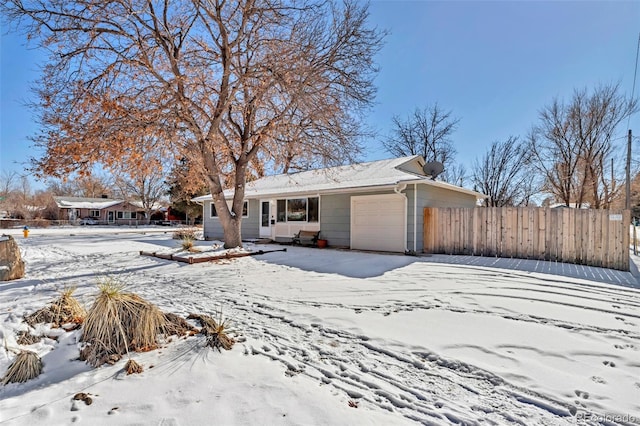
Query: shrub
[(119, 322), (183, 233)]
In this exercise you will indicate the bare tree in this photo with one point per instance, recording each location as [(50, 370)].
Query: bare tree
[(426, 132), (504, 174), (8, 182), (455, 174), (572, 145), (92, 185), (8, 192), (16, 195), (216, 81), (146, 186)]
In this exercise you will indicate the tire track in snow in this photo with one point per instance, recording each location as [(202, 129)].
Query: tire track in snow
[(432, 390), (421, 386)]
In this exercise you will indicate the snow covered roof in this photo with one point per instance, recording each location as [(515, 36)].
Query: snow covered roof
[(159, 205), (85, 203), (382, 173)]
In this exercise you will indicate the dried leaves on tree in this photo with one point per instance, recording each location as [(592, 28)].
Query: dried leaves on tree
[(230, 85)]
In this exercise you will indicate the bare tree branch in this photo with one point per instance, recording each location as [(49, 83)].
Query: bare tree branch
[(504, 175), (427, 132), (572, 145)]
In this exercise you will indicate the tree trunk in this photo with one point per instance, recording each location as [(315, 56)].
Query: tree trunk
[(232, 234)]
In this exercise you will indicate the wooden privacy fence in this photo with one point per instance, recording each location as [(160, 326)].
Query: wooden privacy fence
[(585, 237)]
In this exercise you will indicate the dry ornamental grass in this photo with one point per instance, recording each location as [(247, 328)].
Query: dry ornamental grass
[(26, 366), (26, 338), (178, 326), (132, 367), (182, 234), (188, 244), (119, 322), (63, 310)]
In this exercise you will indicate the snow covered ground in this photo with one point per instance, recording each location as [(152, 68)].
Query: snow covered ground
[(332, 337)]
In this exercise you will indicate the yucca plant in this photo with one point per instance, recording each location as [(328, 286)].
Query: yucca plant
[(26, 366), (65, 309), (119, 322), (219, 338), (215, 331)]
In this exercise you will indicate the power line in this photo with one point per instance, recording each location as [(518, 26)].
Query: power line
[(635, 74)]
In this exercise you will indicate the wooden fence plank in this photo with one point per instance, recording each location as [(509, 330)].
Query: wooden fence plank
[(542, 234)]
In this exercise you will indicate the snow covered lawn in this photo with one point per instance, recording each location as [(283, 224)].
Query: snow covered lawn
[(332, 337)]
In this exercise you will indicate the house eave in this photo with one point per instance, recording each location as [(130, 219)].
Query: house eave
[(448, 186), (293, 194), (351, 189)]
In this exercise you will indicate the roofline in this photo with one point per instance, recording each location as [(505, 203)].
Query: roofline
[(448, 186), (367, 188)]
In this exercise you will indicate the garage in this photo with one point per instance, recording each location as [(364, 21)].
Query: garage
[(379, 222)]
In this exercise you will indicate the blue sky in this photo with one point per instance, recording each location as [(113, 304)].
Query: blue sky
[(493, 64)]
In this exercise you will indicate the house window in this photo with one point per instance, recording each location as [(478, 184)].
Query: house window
[(125, 215), (94, 213), (298, 210), (281, 210), (245, 209), (314, 209)]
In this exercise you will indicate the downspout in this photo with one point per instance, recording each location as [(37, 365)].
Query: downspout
[(398, 190), (415, 218)]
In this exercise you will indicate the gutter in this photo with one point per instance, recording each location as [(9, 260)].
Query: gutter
[(306, 193), (448, 186), (415, 217)]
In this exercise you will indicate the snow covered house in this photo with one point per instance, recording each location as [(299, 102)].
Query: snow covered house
[(368, 206), (100, 210)]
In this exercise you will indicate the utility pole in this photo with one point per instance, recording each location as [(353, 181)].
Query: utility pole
[(627, 202)]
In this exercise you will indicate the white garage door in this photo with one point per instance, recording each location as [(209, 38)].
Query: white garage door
[(378, 222)]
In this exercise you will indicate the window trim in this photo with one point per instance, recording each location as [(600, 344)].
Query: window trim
[(245, 207), (286, 210), (289, 211), (94, 213), (122, 215)]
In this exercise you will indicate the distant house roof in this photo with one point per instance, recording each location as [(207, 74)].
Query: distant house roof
[(85, 203), (571, 205), (361, 176), (158, 206)]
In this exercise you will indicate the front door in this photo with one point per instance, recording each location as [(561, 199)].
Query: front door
[(265, 219), (110, 217)]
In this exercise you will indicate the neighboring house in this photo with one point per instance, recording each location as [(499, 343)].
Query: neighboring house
[(368, 206), (103, 210), (158, 212)]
